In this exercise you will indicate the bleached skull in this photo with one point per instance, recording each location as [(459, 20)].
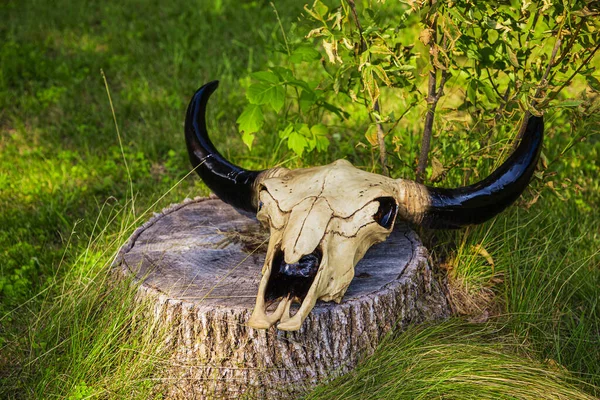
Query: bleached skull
[(322, 220)]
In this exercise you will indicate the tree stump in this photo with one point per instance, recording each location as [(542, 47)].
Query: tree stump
[(201, 262)]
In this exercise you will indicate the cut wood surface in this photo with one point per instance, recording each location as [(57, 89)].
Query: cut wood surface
[(200, 263)]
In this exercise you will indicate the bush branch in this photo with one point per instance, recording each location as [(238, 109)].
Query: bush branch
[(538, 92), (381, 142), (433, 96), (376, 107)]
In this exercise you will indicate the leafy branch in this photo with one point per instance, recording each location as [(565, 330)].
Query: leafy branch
[(434, 90), (376, 106), (497, 56)]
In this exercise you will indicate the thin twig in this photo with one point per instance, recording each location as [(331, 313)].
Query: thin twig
[(426, 141), (287, 46), (492, 82), (289, 52), (376, 106), (497, 116), (433, 96), (536, 16), (410, 106), (568, 81), (538, 92), (381, 141), (570, 44), (363, 43), (544, 81)]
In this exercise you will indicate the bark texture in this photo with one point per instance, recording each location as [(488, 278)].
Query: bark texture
[(200, 263)]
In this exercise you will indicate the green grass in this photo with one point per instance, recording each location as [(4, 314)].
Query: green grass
[(453, 360), (66, 207), (88, 336)]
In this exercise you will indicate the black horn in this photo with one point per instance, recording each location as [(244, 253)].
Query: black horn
[(474, 204), (233, 185)]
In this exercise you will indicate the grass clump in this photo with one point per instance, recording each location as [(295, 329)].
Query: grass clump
[(88, 335), (453, 360)]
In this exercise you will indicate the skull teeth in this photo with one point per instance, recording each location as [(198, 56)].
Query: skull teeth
[(261, 320), (302, 291), (286, 312), (290, 324)]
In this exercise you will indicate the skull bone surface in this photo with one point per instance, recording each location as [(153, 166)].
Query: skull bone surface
[(318, 235), (322, 220)]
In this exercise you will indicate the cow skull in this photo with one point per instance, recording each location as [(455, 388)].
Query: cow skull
[(322, 220)]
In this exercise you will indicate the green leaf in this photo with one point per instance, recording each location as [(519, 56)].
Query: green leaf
[(284, 74), (487, 90), (370, 84), (378, 69), (319, 141), (248, 139), (319, 130), (304, 53), (472, 92), (569, 103), (266, 76), (403, 67), (492, 24), (322, 143), (336, 110), (512, 57), (278, 98), (303, 130), (251, 119), (300, 84), (297, 143), (320, 8), (284, 134), (307, 99), (259, 93), (380, 49), (312, 143), (593, 83), (317, 11), (473, 54), (266, 93)]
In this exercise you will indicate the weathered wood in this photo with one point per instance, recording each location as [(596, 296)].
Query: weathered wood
[(201, 260)]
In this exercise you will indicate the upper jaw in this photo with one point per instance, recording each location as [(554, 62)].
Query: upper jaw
[(286, 290)]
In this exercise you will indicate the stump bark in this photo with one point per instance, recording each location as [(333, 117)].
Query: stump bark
[(200, 262)]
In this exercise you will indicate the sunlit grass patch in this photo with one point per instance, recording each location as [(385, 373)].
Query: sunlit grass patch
[(542, 281), (453, 360), (88, 334)]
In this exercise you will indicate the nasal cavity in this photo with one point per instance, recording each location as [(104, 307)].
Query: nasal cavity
[(306, 267)]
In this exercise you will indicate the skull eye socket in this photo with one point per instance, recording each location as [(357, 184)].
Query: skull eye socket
[(386, 213)]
